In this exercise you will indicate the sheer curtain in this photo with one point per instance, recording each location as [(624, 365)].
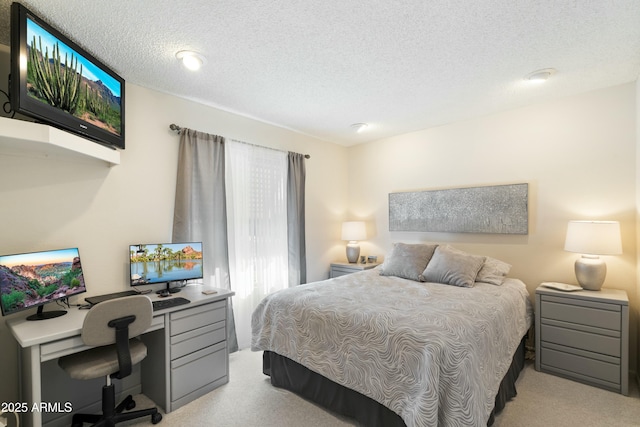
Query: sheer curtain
[(200, 210), (256, 181)]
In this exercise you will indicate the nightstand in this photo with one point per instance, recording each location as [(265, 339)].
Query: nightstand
[(584, 336), (342, 268)]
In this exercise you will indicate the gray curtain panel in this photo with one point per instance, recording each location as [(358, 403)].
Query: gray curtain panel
[(200, 212), (295, 219)]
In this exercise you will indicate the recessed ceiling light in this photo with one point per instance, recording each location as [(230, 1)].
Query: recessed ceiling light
[(540, 76), (191, 60), (359, 127)]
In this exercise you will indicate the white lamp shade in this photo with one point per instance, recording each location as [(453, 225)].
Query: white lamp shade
[(594, 237), (353, 230)]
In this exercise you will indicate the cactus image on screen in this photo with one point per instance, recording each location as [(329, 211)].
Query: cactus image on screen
[(56, 82), (62, 78)]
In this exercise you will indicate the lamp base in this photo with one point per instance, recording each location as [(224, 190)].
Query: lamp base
[(353, 252), (590, 272)]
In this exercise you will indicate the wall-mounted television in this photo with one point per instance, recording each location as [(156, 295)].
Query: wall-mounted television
[(34, 279), (58, 83), (165, 263)]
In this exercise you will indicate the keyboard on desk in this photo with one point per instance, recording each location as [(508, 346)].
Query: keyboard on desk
[(162, 304)]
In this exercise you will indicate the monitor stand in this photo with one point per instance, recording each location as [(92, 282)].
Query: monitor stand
[(42, 315), (163, 293)]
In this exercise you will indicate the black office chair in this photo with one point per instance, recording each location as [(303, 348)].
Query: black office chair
[(111, 327)]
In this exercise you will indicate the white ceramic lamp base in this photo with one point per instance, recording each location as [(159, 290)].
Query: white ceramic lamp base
[(353, 252), (590, 272)]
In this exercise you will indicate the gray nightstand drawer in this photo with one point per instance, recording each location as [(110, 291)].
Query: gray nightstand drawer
[(584, 336), (581, 340), (608, 318), (583, 366), (342, 268), (341, 271)]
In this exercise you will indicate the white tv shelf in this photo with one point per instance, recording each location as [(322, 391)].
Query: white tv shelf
[(22, 137)]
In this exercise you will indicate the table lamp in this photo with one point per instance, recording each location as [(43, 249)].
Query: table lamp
[(591, 239), (353, 231)]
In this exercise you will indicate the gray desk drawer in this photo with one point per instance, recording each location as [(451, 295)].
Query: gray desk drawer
[(55, 349), (197, 339), (197, 317), (582, 366), (156, 323), (590, 316), (582, 340), (198, 369)]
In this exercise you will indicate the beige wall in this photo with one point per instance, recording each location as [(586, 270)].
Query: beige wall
[(577, 154), (58, 202), (638, 219)]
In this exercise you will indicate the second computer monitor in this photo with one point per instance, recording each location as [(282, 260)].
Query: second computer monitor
[(165, 263)]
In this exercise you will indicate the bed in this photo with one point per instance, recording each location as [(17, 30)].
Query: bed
[(419, 341)]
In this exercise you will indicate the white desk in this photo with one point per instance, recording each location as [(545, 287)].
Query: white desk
[(187, 342)]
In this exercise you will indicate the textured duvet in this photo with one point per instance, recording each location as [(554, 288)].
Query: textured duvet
[(435, 354)]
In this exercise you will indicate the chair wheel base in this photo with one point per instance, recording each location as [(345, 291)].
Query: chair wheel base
[(112, 415)]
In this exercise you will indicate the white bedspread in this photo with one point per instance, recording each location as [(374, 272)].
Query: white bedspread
[(434, 354)]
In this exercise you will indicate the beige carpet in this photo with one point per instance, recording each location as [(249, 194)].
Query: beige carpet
[(543, 400)]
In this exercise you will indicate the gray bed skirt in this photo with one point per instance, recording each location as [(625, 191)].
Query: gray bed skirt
[(290, 375)]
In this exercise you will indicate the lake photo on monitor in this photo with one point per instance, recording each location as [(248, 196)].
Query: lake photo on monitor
[(165, 262)]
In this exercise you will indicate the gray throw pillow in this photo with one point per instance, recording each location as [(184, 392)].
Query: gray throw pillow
[(451, 267), (493, 271), (407, 260)]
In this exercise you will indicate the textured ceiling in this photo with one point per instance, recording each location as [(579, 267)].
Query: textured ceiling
[(318, 66)]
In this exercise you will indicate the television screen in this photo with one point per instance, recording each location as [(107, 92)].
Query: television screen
[(34, 279), (165, 262), (55, 81)]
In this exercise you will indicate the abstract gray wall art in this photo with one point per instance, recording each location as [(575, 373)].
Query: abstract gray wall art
[(498, 209)]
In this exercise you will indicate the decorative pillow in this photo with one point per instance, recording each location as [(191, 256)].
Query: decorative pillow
[(452, 267), (493, 271), (407, 260)]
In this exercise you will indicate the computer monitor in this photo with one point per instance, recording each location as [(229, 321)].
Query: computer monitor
[(165, 263), (34, 279)]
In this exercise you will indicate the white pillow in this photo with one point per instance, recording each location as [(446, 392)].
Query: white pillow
[(493, 271)]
